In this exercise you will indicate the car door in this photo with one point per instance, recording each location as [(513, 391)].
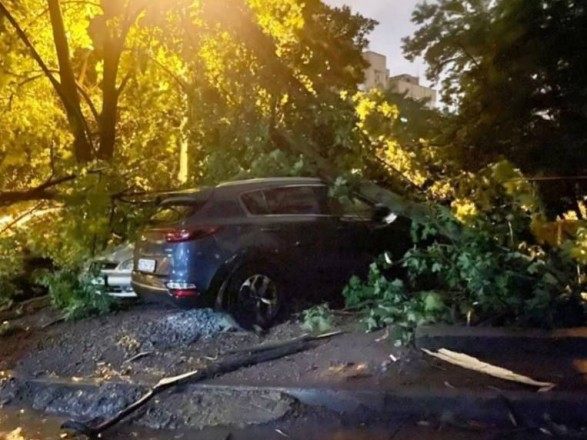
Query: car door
[(372, 230), (354, 235), (295, 215)]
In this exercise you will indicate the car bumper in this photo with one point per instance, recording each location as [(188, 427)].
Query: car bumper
[(115, 283), (152, 288)]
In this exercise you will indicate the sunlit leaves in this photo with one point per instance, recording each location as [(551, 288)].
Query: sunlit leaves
[(239, 82), (282, 19)]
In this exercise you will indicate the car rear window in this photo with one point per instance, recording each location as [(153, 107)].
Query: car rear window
[(174, 213), (284, 201), (179, 207)]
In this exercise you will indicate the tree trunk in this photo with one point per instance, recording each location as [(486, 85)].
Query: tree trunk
[(77, 122), (108, 117)]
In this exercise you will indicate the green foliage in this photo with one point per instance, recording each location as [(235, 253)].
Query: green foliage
[(495, 272), (384, 302), (72, 291), (506, 68), (318, 319)]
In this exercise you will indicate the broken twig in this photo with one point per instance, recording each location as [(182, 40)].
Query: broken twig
[(138, 356)]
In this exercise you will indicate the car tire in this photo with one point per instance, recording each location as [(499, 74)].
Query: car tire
[(254, 296)]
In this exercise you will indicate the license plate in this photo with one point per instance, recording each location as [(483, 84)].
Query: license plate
[(146, 265)]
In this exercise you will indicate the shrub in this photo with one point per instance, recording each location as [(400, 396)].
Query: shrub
[(73, 292)]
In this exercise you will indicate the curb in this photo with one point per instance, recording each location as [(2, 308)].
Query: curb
[(205, 405), (479, 340), (486, 406)]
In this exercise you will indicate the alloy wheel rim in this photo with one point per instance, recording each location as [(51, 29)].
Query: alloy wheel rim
[(260, 291)]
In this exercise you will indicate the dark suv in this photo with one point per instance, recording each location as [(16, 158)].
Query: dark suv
[(242, 246)]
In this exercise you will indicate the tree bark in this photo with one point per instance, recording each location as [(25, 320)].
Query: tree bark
[(71, 100), (108, 117)]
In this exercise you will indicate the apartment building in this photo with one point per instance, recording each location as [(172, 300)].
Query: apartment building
[(377, 75)]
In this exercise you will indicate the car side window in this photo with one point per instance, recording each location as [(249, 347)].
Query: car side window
[(294, 200), (255, 203)]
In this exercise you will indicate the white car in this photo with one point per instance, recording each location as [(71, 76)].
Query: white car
[(115, 271)]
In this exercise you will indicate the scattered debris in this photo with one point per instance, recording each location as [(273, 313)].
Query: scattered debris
[(279, 344), (350, 371), (8, 328), (384, 337), (385, 366), (17, 434), (228, 364), (139, 356), (128, 342), (474, 364)]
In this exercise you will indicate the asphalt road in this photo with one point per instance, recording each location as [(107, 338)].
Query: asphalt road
[(35, 426)]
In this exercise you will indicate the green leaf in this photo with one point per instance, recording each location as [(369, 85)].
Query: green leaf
[(433, 302)]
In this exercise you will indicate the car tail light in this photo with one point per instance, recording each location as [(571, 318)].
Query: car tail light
[(185, 293), (181, 289), (187, 234)]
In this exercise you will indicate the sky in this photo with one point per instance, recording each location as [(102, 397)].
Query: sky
[(394, 24)]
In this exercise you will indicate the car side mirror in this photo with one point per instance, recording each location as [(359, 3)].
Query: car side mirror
[(380, 212)]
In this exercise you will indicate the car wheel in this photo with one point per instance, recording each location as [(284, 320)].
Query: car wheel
[(254, 296)]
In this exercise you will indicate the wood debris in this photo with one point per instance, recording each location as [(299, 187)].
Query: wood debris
[(474, 364)]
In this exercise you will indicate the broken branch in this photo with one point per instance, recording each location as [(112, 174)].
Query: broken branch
[(474, 364), (282, 344), (232, 363)]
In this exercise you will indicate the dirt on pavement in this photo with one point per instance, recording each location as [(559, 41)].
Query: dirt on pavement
[(140, 345)]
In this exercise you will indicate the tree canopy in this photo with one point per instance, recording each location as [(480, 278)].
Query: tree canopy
[(514, 73), (102, 100)]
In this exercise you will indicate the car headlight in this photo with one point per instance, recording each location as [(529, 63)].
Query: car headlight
[(126, 265)]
